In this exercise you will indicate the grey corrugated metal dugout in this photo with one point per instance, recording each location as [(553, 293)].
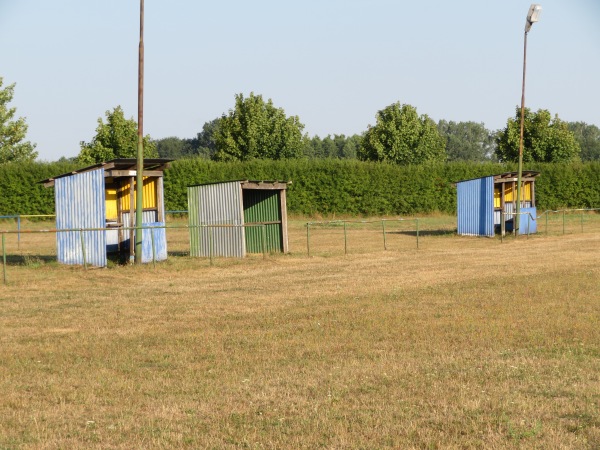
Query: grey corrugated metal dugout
[(481, 201), (103, 196), (234, 218)]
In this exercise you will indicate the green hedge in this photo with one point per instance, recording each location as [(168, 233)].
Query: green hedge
[(365, 188), (328, 187)]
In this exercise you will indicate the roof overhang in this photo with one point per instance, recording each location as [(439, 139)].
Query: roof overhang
[(118, 168)]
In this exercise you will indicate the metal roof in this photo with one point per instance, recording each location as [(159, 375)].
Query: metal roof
[(121, 167), (526, 175), (252, 184)]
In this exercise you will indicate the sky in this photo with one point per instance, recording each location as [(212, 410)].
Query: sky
[(332, 63)]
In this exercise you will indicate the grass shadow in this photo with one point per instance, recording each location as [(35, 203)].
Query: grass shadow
[(29, 260), (424, 233)]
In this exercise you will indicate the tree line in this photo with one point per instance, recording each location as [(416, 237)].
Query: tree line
[(257, 129)]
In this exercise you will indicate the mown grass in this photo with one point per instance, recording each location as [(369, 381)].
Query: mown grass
[(464, 343)]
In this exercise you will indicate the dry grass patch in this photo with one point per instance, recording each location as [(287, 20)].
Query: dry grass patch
[(466, 343)]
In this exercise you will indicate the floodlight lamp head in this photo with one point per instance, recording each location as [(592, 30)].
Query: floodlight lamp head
[(535, 10)]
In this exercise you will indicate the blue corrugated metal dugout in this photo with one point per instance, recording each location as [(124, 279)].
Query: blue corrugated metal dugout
[(484, 203), (80, 204), (102, 196), (475, 203)]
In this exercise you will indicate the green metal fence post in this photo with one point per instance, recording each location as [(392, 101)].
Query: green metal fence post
[(308, 239), (210, 245), (417, 220), (263, 231), (4, 257), (384, 240), (153, 248), (19, 231), (83, 248), (345, 240)]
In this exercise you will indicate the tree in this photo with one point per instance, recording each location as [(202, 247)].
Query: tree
[(545, 139), (467, 141), (257, 130), (401, 136), (173, 147), (13, 148), (204, 144), (117, 138), (588, 137)]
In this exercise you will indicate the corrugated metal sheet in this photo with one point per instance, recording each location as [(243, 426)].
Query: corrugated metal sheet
[(148, 194), (160, 242), (80, 203), (148, 217), (262, 206), (111, 203), (509, 195), (475, 207), (216, 204)]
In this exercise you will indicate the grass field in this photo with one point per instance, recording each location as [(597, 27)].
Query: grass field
[(463, 343)]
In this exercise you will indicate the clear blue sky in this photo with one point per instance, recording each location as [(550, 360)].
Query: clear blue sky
[(334, 63)]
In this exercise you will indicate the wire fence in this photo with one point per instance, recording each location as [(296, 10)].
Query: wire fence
[(321, 237)]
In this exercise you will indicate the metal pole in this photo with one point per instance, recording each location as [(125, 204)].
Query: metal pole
[(139, 204), (345, 240), (4, 257), (263, 231), (308, 239), (153, 247), (19, 231), (518, 206), (546, 222), (83, 249), (417, 233), (210, 245), (564, 211), (384, 240)]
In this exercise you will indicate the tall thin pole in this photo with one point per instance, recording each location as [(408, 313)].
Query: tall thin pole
[(139, 204), (518, 206)]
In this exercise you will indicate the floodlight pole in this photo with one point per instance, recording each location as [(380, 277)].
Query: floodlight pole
[(532, 17), (139, 188)]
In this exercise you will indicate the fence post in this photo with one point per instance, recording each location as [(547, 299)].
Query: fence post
[(153, 248), (546, 222), (4, 257), (210, 244), (345, 240), (19, 231), (263, 231), (564, 211), (384, 240), (83, 248), (582, 221), (307, 238), (417, 220)]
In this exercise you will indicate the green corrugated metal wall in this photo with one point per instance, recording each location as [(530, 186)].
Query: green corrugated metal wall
[(263, 207)]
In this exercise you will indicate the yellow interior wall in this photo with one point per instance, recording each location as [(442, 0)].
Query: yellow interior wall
[(509, 195), (111, 203), (148, 194)]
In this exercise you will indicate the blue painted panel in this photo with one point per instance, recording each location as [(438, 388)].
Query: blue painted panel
[(475, 207), (528, 221), (79, 200), (160, 242)]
